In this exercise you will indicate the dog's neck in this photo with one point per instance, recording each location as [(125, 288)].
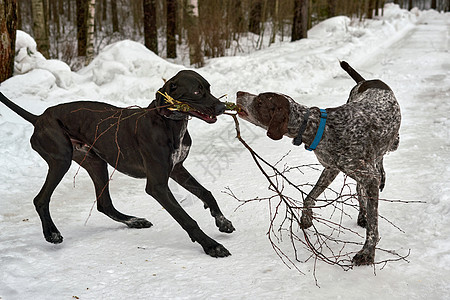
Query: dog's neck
[(297, 113)]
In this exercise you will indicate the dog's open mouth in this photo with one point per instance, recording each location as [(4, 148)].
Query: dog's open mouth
[(207, 118), (241, 111)]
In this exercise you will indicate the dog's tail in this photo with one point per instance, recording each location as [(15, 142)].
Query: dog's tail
[(18, 110), (355, 75)]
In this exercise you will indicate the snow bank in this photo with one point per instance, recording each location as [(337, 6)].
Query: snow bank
[(28, 59), (128, 68), (336, 27)]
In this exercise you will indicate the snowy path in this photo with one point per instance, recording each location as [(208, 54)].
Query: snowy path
[(105, 260)]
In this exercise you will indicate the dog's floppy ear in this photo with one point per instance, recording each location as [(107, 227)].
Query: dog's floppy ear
[(166, 88), (278, 124)]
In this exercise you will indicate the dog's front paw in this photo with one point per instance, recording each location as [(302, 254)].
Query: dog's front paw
[(224, 224), (54, 238), (217, 250), (138, 223), (306, 219), (364, 257)]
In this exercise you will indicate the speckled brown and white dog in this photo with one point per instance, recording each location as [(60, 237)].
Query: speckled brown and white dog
[(355, 138)]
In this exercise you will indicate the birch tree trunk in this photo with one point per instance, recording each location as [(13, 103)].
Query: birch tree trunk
[(8, 26), (40, 28), (90, 23)]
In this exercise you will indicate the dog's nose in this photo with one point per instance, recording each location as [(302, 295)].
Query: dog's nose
[(220, 108)]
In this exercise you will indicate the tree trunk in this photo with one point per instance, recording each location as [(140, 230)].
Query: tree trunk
[(90, 23), (433, 4), (69, 11), (150, 29), (171, 28), (40, 27), (8, 26), (236, 16), (104, 10), (115, 19), (370, 8), (55, 16), (331, 8), (82, 11), (195, 50), (255, 17), (300, 23), (275, 21)]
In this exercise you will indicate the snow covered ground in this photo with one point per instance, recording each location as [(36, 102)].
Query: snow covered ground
[(106, 260)]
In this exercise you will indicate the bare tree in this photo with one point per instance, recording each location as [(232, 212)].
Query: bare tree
[(40, 27), (300, 23), (90, 23), (171, 28), (275, 19), (150, 29), (195, 50), (115, 19), (331, 8), (433, 4), (8, 25), (370, 8), (81, 26), (255, 17)]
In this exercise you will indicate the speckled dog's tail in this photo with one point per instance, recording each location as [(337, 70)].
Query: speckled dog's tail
[(355, 75)]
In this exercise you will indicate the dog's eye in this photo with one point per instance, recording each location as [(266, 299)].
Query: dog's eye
[(196, 92)]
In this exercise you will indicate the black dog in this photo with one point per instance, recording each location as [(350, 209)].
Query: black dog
[(149, 143)]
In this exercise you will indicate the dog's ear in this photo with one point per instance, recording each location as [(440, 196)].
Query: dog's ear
[(278, 124), (166, 88)]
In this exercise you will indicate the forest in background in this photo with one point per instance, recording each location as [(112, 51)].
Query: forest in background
[(75, 30)]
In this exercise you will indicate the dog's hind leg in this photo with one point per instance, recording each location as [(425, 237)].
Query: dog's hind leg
[(325, 179), (51, 143), (185, 179), (362, 197), (98, 171)]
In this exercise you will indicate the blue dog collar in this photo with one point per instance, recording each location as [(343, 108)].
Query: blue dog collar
[(323, 121)]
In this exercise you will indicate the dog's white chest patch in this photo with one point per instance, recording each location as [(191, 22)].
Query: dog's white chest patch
[(180, 154)]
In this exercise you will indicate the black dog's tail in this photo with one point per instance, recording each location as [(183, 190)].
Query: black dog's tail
[(18, 110), (355, 75)]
